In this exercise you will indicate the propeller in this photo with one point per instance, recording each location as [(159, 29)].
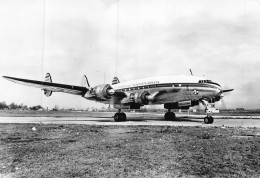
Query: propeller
[(228, 90), (221, 104), (224, 92)]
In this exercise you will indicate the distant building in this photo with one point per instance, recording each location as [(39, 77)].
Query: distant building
[(240, 109)]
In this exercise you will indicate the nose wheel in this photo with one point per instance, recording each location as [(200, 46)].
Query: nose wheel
[(120, 116), (208, 120)]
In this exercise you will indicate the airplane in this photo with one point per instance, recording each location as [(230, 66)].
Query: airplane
[(174, 91)]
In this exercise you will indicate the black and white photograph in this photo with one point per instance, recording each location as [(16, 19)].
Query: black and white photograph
[(129, 88)]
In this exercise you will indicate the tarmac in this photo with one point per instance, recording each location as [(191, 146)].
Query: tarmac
[(142, 119)]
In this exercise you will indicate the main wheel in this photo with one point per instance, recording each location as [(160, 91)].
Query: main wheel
[(119, 117), (122, 117), (169, 116)]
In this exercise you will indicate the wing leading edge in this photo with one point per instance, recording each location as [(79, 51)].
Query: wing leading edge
[(54, 87)]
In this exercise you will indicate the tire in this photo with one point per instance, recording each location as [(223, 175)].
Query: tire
[(208, 120), (122, 117), (211, 120), (173, 116), (169, 116), (117, 117)]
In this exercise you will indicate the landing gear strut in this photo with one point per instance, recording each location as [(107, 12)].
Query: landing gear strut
[(208, 119), (120, 116), (169, 116)]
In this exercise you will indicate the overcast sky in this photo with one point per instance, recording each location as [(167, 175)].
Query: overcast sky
[(217, 39)]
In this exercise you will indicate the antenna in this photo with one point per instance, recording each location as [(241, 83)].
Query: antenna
[(43, 33), (191, 72), (117, 33)]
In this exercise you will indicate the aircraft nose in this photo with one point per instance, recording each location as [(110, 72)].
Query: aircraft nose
[(219, 90)]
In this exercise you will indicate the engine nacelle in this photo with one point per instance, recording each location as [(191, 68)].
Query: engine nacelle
[(141, 98), (181, 105), (103, 91)]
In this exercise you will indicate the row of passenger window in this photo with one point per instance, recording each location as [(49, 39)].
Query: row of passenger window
[(147, 86), (138, 88)]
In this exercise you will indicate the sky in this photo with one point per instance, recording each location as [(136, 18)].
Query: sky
[(216, 39)]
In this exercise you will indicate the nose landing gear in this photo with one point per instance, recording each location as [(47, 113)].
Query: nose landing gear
[(208, 119)]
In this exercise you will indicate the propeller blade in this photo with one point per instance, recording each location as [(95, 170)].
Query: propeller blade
[(228, 90)]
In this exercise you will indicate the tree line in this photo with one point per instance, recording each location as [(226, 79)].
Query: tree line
[(13, 105)]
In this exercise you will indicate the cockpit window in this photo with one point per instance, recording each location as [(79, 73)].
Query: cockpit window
[(204, 81), (208, 81)]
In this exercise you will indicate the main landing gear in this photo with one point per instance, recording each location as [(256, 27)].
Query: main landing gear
[(208, 119), (120, 116), (169, 116)]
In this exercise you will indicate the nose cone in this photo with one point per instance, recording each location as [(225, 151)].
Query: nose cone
[(218, 90), (111, 91)]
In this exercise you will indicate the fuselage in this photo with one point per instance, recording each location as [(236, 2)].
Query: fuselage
[(173, 88)]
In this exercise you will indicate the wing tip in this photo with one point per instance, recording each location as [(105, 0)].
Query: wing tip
[(6, 77)]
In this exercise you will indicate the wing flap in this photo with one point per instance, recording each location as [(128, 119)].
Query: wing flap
[(54, 87)]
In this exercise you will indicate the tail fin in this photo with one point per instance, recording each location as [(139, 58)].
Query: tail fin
[(84, 81), (115, 81), (48, 79)]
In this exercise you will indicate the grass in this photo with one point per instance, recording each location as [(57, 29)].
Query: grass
[(128, 151)]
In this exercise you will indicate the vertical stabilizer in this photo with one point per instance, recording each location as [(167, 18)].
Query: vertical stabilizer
[(115, 81), (84, 81), (48, 79)]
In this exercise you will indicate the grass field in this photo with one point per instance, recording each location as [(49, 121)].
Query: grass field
[(128, 151)]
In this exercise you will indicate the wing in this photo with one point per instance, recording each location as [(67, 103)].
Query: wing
[(54, 87)]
